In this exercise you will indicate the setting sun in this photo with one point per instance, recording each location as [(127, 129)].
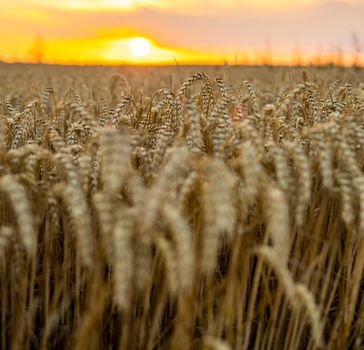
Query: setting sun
[(139, 47)]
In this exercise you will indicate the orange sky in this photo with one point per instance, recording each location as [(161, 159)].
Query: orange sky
[(186, 31)]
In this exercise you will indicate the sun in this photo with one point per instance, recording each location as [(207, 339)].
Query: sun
[(139, 47)]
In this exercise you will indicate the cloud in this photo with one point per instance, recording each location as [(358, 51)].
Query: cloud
[(325, 23)]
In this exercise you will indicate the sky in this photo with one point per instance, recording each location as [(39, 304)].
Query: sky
[(182, 31)]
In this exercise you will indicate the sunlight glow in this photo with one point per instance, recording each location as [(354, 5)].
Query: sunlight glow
[(129, 50), (102, 4), (139, 47), (81, 4)]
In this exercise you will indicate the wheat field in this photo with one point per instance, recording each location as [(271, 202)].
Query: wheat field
[(191, 208)]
